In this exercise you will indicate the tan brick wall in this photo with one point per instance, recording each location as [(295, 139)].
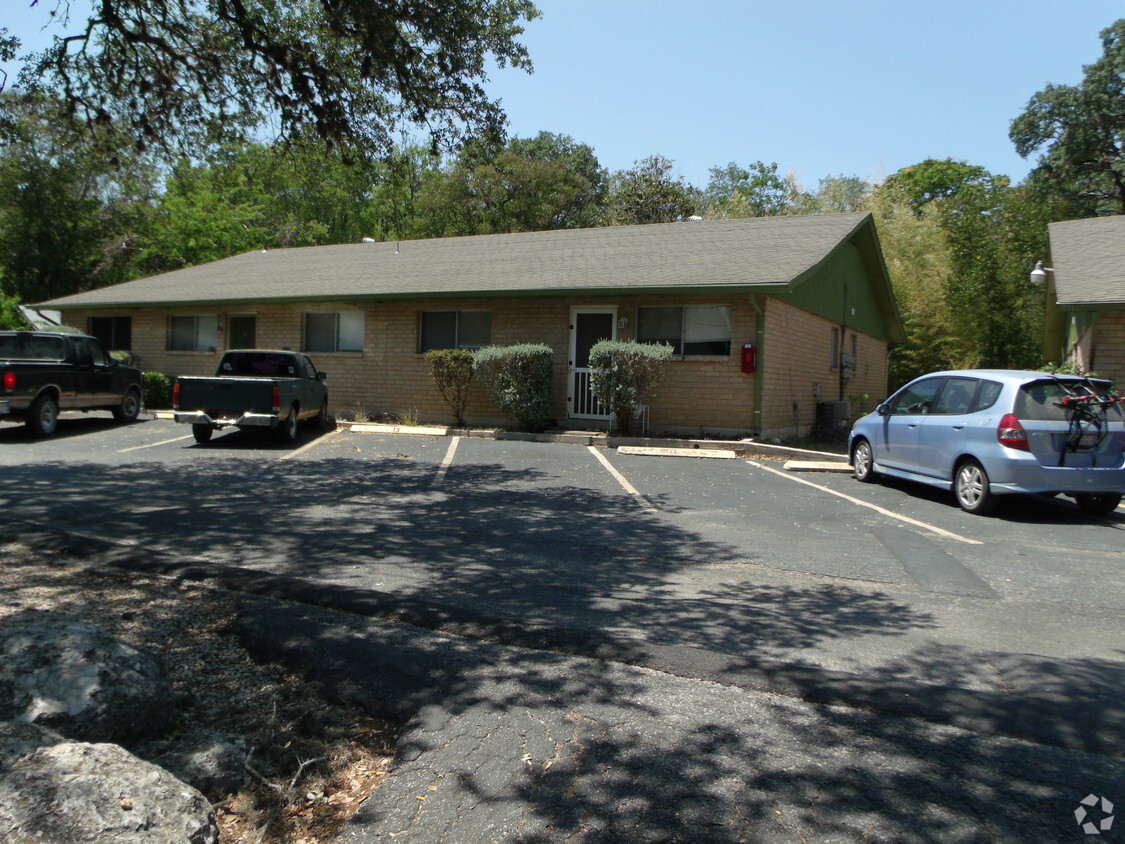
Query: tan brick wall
[(796, 361), (389, 376), (1109, 347)]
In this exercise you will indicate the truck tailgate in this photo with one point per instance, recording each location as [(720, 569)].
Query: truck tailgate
[(226, 397)]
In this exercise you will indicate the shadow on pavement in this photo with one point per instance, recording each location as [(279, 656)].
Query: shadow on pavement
[(546, 744)]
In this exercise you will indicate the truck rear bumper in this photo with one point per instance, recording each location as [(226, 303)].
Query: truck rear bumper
[(198, 417)]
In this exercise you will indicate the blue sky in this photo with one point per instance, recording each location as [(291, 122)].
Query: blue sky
[(821, 87)]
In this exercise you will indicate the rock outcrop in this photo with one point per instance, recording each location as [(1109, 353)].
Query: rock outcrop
[(70, 693), (79, 793), (78, 680)]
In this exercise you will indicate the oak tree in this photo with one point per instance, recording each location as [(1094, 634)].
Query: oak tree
[(186, 73)]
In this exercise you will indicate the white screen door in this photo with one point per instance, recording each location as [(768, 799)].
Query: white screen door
[(587, 327)]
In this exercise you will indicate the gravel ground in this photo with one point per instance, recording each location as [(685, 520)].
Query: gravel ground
[(218, 686)]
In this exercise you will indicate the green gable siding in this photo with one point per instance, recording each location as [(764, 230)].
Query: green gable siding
[(822, 292)]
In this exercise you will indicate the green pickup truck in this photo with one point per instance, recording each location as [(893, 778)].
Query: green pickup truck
[(253, 388)]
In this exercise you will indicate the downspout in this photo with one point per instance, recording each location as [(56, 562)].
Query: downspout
[(843, 343), (759, 335)]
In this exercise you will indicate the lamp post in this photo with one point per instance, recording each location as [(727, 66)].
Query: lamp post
[(1054, 328)]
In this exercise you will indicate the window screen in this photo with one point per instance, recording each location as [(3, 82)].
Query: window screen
[(454, 330), (691, 330), (193, 333), (334, 332), (707, 331)]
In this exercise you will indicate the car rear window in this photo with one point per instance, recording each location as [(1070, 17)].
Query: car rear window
[(30, 347), (1040, 399), (989, 393)]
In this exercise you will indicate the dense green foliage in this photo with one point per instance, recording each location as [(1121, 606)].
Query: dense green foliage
[(959, 244), (649, 193), (625, 375), (452, 371), (10, 316), (158, 390), (518, 380)]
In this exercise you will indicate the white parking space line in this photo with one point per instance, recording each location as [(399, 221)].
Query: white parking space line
[(881, 510), (154, 445), (446, 462), (289, 455), (628, 487)]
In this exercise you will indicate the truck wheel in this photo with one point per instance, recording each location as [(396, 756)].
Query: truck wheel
[(130, 407), (202, 433), (43, 417), (322, 417), (287, 428)]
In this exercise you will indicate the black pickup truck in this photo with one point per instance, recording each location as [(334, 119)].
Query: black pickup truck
[(43, 372), (253, 388)]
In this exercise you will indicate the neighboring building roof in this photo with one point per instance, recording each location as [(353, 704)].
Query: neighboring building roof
[(1089, 261), (751, 253)]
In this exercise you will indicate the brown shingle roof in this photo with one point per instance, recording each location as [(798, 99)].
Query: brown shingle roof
[(1089, 261), (716, 254)]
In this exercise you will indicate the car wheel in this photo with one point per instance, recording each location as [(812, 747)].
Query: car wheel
[(322, 417), (130, 407), (970, 485), (287, 430), (1097, 503), (863, 462), (43, 417), (202, 433)]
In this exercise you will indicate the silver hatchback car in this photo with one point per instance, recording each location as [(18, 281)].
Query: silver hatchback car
[(985, 433)]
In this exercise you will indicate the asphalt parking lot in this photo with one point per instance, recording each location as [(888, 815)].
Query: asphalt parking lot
[(642, 648), (667, 549)]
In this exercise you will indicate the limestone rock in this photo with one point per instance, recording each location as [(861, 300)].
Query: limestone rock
[(77, 793), (77, 679), (19, 737)]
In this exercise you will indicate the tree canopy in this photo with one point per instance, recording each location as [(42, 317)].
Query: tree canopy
[(185, 73), (1079, 131), (649, 193)]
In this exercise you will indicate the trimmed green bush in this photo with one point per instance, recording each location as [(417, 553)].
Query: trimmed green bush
[(158, 390), (518, 380), (625, 375), (452, 371)]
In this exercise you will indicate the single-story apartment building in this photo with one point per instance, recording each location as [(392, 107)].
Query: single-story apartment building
[(767, 317), (1086, 296)]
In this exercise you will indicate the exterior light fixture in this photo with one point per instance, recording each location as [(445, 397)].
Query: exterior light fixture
[(1038, 275)]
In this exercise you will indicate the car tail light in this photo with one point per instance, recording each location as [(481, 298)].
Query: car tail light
[(176, 396), (9, 382), (275, 399), (1010, 433)]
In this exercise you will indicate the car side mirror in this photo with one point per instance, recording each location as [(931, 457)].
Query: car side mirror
[(883, 409), (321, 376)]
